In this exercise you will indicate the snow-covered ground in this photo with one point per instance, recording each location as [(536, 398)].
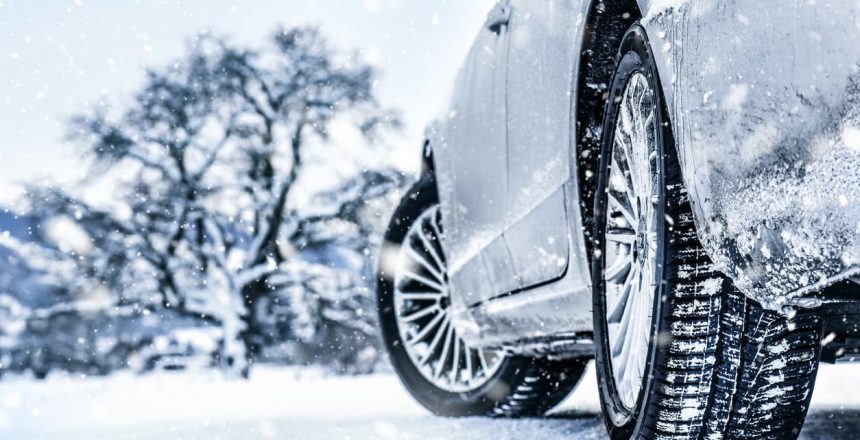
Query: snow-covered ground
[(307, 405)]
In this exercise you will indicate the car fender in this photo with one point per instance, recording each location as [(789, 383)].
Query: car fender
[(764, 100)]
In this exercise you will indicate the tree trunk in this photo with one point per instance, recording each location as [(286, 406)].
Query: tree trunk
[(251, 336)]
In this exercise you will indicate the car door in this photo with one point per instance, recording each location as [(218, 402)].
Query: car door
[(472, 178), (540, 79)]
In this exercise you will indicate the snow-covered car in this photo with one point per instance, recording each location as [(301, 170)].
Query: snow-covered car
[(671, 187), (182, 349)]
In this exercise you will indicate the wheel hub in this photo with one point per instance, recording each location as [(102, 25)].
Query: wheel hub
[(444, 303)]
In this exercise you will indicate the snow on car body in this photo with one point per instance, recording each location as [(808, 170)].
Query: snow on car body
[(765, 105)]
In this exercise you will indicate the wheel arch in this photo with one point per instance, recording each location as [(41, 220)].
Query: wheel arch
[(606, 23), (428, 144)]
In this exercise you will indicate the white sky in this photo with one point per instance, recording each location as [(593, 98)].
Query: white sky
[(57, 57)]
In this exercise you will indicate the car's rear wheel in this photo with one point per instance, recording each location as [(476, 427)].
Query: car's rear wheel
[(439, 369), (680, 353)]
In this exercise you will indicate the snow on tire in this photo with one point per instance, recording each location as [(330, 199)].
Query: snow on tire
[(716, 365)]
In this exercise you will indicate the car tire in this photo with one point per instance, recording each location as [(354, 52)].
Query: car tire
[(716, 364), (518, 386)]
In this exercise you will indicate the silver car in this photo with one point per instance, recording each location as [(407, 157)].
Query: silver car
[(670, 187)]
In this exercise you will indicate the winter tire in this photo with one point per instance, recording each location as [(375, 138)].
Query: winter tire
[(434, 364), (680, 353)]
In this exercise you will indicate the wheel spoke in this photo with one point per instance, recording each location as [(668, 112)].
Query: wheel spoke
[(427, 328), (422, 279), (443, 358), (624, 149), (624, 173), (617, 235), (622, 265), (443, 329), (421, 296), (617, 313), (623, 208), (483, 359), (467, 357), (626, 311), (431, 249), (420, 314), (437, 231), (455, 364), (426, 265), (652, 241), (630, 332)]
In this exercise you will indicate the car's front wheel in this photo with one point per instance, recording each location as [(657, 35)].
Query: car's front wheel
[(680, 353), (440, 369)]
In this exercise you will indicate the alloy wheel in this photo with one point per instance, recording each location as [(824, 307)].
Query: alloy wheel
[(422, 306), (630, 270)]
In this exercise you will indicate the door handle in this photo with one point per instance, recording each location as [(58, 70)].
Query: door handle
[(499, 16)]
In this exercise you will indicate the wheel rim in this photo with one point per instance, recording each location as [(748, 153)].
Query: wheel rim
[(630, 264), (422, 304)]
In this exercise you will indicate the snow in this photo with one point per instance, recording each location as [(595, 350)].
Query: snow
[(770, 153), (274, 403), (657, 7), (307, 404)]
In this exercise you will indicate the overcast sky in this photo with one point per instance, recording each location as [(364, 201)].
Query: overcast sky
[(58, 57)]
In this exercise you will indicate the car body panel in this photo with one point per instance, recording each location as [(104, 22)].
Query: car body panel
[(538, 101), (561, 307), (769, 148), (764, 99), (472, 174), (545, 226)]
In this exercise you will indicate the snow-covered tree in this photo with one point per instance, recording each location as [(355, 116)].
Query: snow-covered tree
[(324, 302), (204, 162)]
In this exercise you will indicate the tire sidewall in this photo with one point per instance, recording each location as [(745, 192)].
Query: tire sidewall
[(634, 57)]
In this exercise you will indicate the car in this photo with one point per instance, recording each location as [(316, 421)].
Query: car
[(181, 349), (670, 188)]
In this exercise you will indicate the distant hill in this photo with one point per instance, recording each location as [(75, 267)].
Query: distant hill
[(16, 225), (17, 278)]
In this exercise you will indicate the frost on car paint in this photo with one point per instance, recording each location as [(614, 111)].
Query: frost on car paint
[(768, 139)]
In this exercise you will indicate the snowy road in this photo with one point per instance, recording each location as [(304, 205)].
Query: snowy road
[(290, 404)]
